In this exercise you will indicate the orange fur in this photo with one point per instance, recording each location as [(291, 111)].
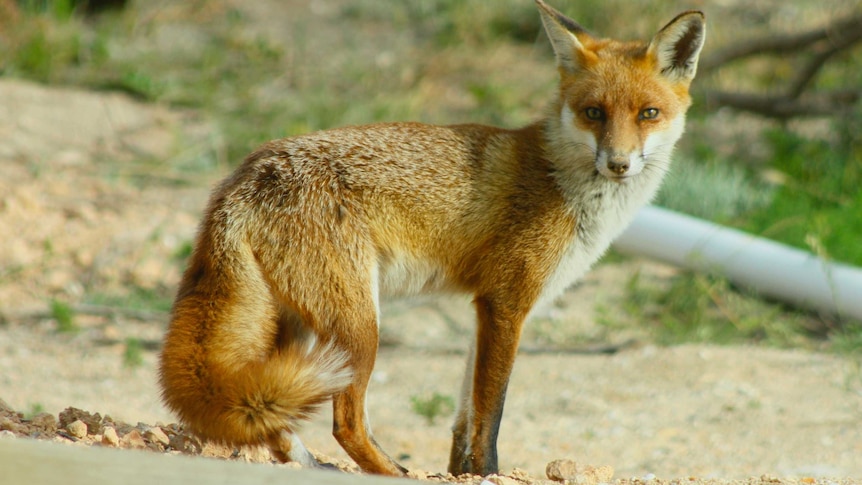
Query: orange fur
[(278, 309)]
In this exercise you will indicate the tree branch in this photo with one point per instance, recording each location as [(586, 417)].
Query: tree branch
[(86, 309), (822, 54), (785, 107), (823, 44), (783, 44)]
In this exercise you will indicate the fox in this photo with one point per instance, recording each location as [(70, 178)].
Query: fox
[(278, 310)]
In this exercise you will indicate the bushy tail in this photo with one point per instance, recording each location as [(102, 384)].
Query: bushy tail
[(250, 403)]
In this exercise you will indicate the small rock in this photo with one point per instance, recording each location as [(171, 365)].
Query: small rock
[(109, 437), (44, 422), (77, 428), (156, 435), (572, 472), (6, 434), (11, 425), (185, 443), (133, 439), (561, 470), (417, 475), (253, 454), (499, 480), (93, 421), (604, 474), (519, 474)]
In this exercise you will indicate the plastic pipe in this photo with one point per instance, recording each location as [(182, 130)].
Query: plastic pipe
[(771, 269)]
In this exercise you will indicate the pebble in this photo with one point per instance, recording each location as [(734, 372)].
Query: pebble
[(499, 480), (93, 421), (156, 435), (571, 472), (7, 424), (417, 475), (109, 437), (186, 444), (45, 422), (560, 470), (133, 439), (77, 428)]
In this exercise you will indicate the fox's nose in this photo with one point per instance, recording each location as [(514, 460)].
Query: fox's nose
[(619, 165)]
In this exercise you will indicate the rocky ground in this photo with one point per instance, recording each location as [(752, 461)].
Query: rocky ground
[(85, 223)]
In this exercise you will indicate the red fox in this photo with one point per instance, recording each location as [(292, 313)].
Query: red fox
[(278, 310)]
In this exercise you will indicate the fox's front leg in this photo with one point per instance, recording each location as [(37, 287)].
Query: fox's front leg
[(474, 444)]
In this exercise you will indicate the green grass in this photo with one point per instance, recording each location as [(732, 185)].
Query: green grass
[(64, 315), (432, 406), (847, 338), (816, 204), (133, 353), (33, 410), (819, 207), (692, 307), (713, 190), (137, 298)]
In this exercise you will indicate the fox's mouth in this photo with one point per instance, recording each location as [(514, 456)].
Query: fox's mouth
[(618, 178), (621, 179)]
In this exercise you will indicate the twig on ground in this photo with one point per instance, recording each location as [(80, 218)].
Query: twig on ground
[(85, 309)]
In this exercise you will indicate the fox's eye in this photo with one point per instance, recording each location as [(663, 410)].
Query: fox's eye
[(594, 114), (649, 114)]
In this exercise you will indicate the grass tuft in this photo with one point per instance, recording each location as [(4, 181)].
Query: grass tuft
[(138, 298), (707, 309), (133, 354), (820, 199), (433, 406), (64, 315), (33, 410), (714, 191)]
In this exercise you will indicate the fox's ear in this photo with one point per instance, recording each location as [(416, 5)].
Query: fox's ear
[(677, 46), (563, 32)]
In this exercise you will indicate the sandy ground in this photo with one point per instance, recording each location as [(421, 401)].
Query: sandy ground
[(79, 217)]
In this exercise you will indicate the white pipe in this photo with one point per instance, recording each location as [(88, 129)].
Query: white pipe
[(769, 268)]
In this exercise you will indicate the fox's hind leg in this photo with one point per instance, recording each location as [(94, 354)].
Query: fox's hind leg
[(358, 338), (286, 447), (337, 302), (326, 270)]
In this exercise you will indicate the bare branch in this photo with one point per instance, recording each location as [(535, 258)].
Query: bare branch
[(820, 45), (784, 44), (822, 54), (784, 107), (85, 309)]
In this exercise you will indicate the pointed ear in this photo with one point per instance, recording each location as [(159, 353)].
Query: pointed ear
[(677, 46), (562, 32)]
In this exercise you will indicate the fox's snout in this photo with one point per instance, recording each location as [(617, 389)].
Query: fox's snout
[(616, 165)]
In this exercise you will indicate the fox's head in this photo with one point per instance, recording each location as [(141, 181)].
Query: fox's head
[(622, 104)]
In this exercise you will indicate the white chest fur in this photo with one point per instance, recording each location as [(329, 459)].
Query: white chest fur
[(600, 221)]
